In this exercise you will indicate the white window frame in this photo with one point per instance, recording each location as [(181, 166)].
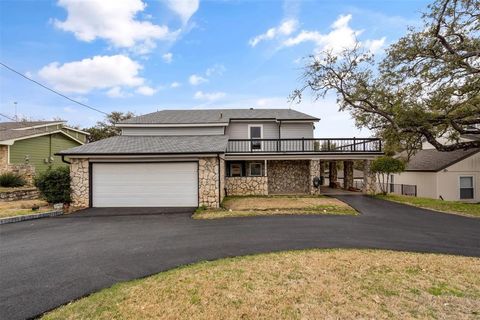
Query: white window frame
[(473, 187), (261, 134), (250, 169)]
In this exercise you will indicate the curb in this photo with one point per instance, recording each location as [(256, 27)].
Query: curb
[(31, 217)]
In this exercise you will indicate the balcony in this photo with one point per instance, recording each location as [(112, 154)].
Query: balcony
[(310, 146)]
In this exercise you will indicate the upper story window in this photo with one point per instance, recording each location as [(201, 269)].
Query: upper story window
[(255, 131), (466, 187)]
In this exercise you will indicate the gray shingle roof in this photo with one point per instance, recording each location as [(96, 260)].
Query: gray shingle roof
[(151, 145), (8, 132), (434, 160), (216, 116)]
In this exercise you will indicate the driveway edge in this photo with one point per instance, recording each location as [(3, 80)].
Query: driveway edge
[(31, 217)]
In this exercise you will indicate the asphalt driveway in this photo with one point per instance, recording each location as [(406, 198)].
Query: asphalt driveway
[(48, 262)]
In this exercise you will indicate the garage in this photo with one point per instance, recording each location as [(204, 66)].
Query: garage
[(161, 184)]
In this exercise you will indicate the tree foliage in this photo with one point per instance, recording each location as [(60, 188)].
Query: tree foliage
[(106, 129), (383, 167), (427, 87)]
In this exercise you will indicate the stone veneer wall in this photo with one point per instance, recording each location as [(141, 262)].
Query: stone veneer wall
[(79, 182), (222, 179), (20, 194), (3, 158), (208, 178), (332, 176), (288, 176), (246, 186)]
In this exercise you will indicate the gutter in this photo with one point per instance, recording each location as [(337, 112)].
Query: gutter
[(65, 161)]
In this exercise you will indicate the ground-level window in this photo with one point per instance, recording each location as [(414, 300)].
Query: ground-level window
[(235, 170), (255, 169), (466, 187)]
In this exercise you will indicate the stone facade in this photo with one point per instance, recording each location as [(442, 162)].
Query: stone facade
[(246, 186), (79, 182), (332, 176), (322, 171), (21, 194), (27, 171), (288, 176), (369, 179), (208, 182), (348, 175), (222, 179), (314, 172)]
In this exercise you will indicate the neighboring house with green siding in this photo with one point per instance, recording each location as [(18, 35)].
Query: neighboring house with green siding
[(34, 144)]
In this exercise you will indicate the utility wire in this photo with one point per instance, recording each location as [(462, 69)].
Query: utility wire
[(49, 89), (7, 117)]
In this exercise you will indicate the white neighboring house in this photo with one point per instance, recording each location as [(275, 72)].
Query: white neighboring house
[(443, 175)]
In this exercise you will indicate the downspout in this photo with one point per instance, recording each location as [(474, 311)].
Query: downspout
[(219, 180)]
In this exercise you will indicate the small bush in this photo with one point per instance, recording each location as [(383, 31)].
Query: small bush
[(54, 185), (11, 180)]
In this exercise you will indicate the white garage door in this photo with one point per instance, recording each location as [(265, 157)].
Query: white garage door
[(145, 184)]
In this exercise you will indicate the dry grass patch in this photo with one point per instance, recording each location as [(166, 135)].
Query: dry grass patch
[(275, 205), (315, 284), (22, 207)]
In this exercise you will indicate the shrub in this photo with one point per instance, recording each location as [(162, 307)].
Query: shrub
[(54, 184), (11, 180)]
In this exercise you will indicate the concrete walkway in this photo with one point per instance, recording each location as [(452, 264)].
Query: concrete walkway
[(49, 262)]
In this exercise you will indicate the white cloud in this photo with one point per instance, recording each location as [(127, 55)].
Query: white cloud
[(284, 29), (185, 9), (116, 92), (209, 96), (175, 84), (146, 90), (114, 21), (195, 80), (99, 72), (217, 69), (341, 37), (167, 57)]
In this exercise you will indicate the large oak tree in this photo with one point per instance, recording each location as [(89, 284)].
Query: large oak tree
[(426, 87)]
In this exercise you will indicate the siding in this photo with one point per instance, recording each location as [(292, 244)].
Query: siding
[(426, 182), (296, 130), (40, 148), (239, 130), (184, 131)]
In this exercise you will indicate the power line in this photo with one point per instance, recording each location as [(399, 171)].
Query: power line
[(7, 117), (49, 89)]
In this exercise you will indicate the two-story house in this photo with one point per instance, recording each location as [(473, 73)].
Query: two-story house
[(190, 158)]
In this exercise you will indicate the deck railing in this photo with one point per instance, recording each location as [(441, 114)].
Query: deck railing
[(326, 145)]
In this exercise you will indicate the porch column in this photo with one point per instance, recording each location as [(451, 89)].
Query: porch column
[(332, 174), (347, 174), (369, 179), (314, 172), (322, 172)]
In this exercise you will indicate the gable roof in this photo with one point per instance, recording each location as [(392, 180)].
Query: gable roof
[(11, 131), (127, 145), (216, 116), (434, 160)]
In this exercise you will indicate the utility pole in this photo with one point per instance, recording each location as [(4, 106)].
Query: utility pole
[(15, 104)]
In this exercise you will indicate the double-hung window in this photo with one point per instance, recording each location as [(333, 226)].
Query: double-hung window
[(255, 169), (466, 187)]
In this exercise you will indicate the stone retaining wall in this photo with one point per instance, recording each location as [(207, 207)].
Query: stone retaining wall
[(246, 186), (20, 194)]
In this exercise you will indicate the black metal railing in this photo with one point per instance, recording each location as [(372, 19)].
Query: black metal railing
[(403, 189), (326, 145)]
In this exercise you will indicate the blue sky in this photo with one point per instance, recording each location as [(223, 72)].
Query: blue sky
[(143, 56)]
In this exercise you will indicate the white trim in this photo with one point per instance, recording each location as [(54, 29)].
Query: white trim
[(8, 154), (473, 187), (250, 169), (285, 156), (77, 130), (167, 125), (40, 125), (168, 157), (11, 141)]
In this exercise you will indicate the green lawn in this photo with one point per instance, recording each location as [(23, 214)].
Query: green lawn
[(307, 284), (468, 209), (275, 205)]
